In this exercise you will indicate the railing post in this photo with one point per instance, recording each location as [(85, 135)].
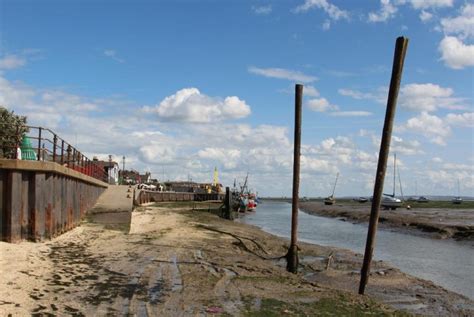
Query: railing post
[(39, 143), (73, 157), (68, 154), (55, 142), (44, 150), (16, 143), (62, 152)]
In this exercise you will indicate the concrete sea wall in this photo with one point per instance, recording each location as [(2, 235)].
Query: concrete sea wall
[(145, 196), (40, 200)]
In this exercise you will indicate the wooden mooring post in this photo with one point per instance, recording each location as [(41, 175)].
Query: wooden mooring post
[(227, 204), (292, 255), (397, 69)]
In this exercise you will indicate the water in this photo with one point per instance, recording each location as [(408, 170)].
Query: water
[(446, 263)]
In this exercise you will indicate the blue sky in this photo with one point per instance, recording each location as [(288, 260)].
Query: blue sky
[(182, 86)]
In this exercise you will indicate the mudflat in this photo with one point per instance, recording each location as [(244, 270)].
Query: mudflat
[(437, 220), (167, 260)]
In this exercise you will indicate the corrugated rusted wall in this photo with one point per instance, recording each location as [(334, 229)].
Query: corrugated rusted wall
[(37, 205)]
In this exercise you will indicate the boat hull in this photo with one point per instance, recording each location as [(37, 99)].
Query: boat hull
[(391, 203)]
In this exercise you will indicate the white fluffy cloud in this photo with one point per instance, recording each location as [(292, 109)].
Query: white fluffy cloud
[(227, 157), (455, 53), (405, 147), (426, 4), (355, 94), (462, 120), (310, 91), (462, 25), (11, 61), (333, 11), (282, 73), (113, 55), (190, 105), (320, 105), (262, 10), (388, 9), (351, 114), (386, 12), (431, 126), (425, 16), (428, 97), (415, 97)]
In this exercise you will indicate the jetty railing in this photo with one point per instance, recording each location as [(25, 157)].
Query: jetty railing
[(43, 144)]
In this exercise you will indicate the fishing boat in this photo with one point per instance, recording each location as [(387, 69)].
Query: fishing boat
[(389, 201), (244, 200), (331, 200), (252, 202)]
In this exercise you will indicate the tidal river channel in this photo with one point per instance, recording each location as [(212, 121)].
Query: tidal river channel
[(445, 262)]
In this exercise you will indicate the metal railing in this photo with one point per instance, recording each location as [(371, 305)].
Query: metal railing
[(46, 145)]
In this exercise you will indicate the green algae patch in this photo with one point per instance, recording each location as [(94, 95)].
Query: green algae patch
[(334, 306)]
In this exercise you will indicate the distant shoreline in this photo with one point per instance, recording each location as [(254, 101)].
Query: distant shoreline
[(434, 222)]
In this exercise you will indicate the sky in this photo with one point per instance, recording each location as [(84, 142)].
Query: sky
[(180, 87)]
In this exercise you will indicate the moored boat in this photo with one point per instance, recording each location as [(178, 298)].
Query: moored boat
[(331, 200), (422, 199), (362, 200), (390, 201), (457, 200)]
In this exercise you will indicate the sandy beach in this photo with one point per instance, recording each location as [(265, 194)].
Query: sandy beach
[(171, 261)]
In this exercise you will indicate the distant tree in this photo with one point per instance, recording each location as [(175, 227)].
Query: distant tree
[(12, 129)]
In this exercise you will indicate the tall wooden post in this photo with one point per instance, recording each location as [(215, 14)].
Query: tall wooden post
[(292, 255), (398, 60), (228, 204)]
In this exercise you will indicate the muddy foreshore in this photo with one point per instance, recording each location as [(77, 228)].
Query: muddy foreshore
[(438, 223), (170, 261)]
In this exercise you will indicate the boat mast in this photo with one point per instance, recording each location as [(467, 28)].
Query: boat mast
[(394, 170), (334, 188)]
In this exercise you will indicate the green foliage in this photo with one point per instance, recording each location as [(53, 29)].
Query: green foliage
[(12, 129)]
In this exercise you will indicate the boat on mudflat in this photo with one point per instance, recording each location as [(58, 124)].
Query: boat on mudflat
[(331, 200), (389, 201)]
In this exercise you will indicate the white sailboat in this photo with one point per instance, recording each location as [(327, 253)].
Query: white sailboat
[(458, 199), (330, 200), (389, 201)]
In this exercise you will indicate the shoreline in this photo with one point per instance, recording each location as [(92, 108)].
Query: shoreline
[(170, 261), (435, 223)]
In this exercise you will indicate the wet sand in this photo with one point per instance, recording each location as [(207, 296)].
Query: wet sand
[(165, 261), (438, 223)]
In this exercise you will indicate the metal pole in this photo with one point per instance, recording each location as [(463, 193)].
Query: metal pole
[(39, 143), (74, 156), (55, 142), (398, 60), (17, 140), (292, 255), (69, 155), (62, 152)]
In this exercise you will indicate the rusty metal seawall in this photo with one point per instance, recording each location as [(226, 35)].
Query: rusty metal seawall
[(40, 200)]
